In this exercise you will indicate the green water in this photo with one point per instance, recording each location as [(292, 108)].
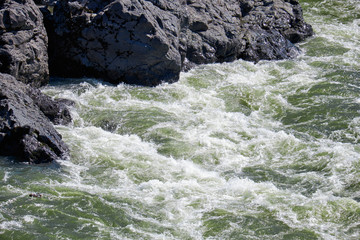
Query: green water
[(231, 151)]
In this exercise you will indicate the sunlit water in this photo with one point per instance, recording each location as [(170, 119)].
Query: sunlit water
[(231, 151)]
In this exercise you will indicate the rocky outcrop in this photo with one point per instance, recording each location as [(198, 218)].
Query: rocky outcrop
[(149, 41), (113, 40), (23, 42), (223, 31), (25, 129), (56, 111), (142, 42)]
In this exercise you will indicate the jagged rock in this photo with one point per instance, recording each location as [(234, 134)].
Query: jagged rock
[(116, 41), (25, 131), (149, 41), (23, 42), (55, 110), (223, 31)]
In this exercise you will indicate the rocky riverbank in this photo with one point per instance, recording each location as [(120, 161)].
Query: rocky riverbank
[(26, 126), (143, 42), (147, 42)]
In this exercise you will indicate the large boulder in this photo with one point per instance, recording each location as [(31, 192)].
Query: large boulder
[(149, 41), (25, 131), (120, 41), (223, 31), (23, 42)]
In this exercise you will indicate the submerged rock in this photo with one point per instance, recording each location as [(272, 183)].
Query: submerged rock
[(147, 42), (23, 42), (35, 195), (25, 131)]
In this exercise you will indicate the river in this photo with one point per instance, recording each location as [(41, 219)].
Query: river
[(231, 151)]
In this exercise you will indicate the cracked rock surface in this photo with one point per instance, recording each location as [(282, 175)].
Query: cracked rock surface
[(25, 129), (147, 42), (23, 42)]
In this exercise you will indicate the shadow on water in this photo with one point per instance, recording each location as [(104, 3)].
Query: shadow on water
[(61, 82), (14, 163)]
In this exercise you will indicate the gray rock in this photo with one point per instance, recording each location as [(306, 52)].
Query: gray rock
[(23, 42), (147, 42), (25, 131), (123, 42), (56, 111), (243, 29)]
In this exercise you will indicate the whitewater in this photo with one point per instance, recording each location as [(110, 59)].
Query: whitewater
[(231, 151)]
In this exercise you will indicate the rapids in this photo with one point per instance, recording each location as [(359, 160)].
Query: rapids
[(231, 151)]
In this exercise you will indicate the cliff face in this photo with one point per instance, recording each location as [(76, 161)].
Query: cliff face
[(23, 42), (149, 41)]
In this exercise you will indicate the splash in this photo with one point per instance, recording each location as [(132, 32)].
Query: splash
[(231, 151)]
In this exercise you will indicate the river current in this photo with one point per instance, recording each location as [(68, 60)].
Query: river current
[(231, 151)]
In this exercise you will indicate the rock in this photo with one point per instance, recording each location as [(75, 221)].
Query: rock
[(45, 2), (35, 195), (120, 41), (25, 131), (55, 110), (23, 42), (223, 31), (147, 42)]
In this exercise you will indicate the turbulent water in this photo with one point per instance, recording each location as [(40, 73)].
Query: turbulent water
[(231, 151)]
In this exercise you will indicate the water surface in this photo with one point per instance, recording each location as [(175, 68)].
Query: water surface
[(231, 151)]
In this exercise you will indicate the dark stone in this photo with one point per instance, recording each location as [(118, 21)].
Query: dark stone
[(55, 110), (45, 2), (25, 131), (35, 195), (23, 42), (147, 42), (120, 42)]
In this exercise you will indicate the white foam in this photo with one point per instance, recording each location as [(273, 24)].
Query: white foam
[(177, 190), (29, 218), (6, 176), (10, 225)]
